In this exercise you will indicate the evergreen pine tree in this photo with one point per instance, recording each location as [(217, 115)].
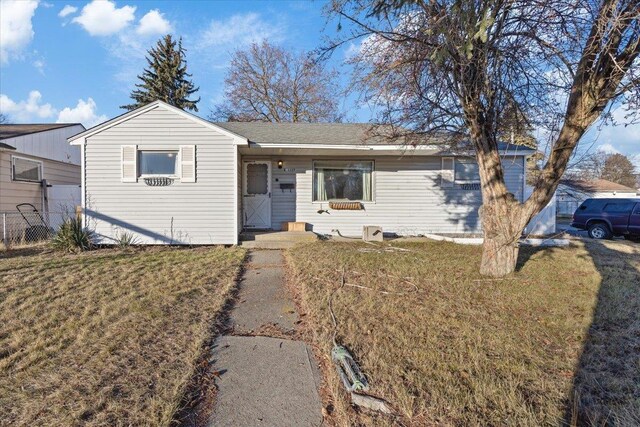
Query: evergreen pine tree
[(166, 78)]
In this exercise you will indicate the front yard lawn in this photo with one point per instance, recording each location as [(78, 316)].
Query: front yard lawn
[(557, 341), (107, 337)]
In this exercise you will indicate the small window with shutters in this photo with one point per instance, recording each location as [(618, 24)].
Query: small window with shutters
[(158, 163)]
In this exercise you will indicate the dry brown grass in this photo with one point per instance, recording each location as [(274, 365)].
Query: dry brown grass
[(464, 350), (108, 337)]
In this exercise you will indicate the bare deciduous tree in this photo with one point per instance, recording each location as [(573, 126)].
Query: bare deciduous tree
[(3, 119), (618, 168), (461, 66), (269, 84), (588, 168)]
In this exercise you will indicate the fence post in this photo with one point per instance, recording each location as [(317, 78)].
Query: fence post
[(5, 239)]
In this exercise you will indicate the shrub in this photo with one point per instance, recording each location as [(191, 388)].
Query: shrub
[(126, 239), (73, 237)]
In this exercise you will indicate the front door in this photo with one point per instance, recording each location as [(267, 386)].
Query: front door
[(256, 194)]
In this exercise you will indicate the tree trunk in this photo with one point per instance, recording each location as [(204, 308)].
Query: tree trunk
[(503, 218), (498, 259), (502, 224)]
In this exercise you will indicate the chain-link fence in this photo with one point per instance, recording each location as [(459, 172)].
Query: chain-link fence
[(25, 228)]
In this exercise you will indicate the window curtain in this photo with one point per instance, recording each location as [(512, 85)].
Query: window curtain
[(321, 191), (366, 184)]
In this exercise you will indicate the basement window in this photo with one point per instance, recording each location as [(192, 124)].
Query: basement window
[(26, 170)]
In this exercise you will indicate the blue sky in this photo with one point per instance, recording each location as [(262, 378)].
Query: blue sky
[(78, 60)]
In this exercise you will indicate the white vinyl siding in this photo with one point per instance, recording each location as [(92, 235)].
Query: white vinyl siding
[(182, 213), (409, 198)]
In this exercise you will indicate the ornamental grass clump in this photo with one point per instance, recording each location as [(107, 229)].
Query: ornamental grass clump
[(73, 237)]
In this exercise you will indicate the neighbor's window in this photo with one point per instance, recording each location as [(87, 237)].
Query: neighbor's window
[(342, 180), (158, 162), (26, 170), (466, 170)]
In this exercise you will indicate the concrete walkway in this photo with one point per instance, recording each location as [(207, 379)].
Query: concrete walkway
[(264, 381)]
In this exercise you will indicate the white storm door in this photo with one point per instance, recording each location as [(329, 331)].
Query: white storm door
[(256, 194)]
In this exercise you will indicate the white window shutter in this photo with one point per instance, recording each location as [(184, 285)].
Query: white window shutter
[(187, 163), (129, 162), (447, 173)]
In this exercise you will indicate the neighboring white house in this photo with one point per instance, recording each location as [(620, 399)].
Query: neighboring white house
[(33, 154), (170, 177), (38, 167), (572, 192)]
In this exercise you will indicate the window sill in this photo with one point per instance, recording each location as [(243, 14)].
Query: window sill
[(27, 181), (367, 202)]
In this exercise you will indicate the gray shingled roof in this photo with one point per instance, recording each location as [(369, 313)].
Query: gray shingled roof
[(324, 134), (303, 133), (13, 130)]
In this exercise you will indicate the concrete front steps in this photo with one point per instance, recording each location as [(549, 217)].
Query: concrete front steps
[(274, 239)]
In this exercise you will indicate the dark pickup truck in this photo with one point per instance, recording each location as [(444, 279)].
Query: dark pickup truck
[(605, 218)]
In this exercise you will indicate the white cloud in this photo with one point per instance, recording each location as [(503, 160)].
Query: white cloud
[(239, 30), (153, 23), (39, 65), (32, 109), (353, 50), (624, 137), (103, 18), (84, 112), (607, 148), (16, 30), (67, 10)]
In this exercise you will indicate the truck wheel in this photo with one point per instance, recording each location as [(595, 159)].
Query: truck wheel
[(599, 230)]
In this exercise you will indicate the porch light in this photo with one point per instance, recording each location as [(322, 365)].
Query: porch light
[(280, 163)]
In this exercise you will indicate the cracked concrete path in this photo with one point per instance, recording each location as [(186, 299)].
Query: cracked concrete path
[(264, 381), (262, 299)]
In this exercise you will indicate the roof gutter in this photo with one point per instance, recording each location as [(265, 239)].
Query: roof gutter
[(387, 147)]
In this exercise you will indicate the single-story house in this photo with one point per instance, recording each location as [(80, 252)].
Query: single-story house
[(168, 176), (33, 156), (572, 192)]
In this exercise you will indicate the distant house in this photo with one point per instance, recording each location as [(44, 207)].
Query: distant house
[(34, 157), (571, 193), (168, 176)]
